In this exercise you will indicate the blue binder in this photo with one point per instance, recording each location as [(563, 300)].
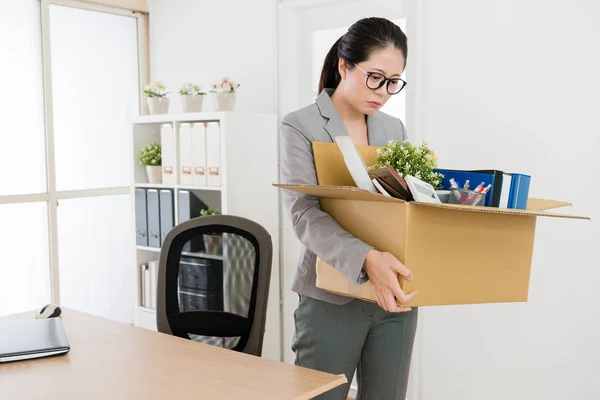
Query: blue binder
[(508, 190)]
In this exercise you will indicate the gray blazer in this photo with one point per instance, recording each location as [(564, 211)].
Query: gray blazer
[(318, 233)]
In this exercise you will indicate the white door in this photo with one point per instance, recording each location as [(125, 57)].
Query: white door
[(307, 30)]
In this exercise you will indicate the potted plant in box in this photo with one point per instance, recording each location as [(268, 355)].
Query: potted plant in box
[(409, 159), (151, 157), (224, 93), (158, 102), (212, 243), (191, 98)]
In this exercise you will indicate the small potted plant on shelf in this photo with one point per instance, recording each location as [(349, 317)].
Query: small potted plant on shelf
[(158, 102), (409, 159), (213, 244), (224, 94), (191, 97), (151, 157)]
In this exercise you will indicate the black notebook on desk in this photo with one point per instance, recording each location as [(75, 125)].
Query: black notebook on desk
[(23, 339)]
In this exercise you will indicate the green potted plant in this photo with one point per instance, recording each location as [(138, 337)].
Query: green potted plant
[(409, 159), (224, 93), (213, 244), (158, 102), (151, 157), (191, 97)]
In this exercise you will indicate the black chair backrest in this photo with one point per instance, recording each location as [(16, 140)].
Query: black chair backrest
[(213, 282)]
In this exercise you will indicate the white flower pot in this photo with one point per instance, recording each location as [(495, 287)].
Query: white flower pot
[(154, 173), (224, 101), (158, 105), (191, 103)]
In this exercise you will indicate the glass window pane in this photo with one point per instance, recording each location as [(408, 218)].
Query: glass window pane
[(96, 251), (93, 95), (22, 137), (25, 265)]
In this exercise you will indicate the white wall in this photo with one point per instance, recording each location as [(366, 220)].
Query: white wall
[(515, 85), (203, 41)]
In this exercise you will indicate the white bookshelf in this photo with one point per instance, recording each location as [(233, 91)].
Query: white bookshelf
[(249, 167)]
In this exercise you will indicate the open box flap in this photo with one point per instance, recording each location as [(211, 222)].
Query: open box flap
[(338, 192), (496, 210), (354, 193), (544, 204)]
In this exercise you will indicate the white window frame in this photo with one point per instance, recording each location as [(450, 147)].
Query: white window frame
[(52, 196)]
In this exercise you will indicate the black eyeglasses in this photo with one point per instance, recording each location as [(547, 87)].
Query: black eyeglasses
[(375, 80)]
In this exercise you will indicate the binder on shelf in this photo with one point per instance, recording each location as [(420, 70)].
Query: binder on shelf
[(198, 147), (189, 206), (186, 176), (167, 213), (167, 142), (141, 218), (153, 267), (146, 285), (153, 218), (213, 154)]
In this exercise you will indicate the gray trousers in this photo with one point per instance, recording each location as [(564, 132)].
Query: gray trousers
[(339, 339)]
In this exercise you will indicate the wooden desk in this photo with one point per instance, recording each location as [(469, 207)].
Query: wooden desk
[(111, 360)]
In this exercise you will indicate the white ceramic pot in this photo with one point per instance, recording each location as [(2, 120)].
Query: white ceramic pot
[(224, 101), (158, 105), (154, 173), (191, 103)]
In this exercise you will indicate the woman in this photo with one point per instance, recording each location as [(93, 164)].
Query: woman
[(338, 334)]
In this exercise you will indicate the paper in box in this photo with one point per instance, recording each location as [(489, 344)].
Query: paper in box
[(458, 254)]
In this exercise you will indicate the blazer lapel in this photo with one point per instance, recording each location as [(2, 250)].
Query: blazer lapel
[(332, 123), (376, 134)]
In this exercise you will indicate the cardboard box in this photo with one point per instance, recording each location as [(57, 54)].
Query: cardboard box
[(458, 254)]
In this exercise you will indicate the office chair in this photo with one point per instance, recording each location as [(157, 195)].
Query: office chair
[(213, 282)]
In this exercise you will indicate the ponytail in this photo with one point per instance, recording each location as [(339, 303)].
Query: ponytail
[(330, 74)]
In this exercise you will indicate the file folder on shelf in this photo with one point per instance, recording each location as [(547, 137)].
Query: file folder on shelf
[(198, 147), (145, 280), (167, 217), (213, 154), (508, 190), (186, 176), (167, 142), (153, 267), (153, 218), (141, 218)]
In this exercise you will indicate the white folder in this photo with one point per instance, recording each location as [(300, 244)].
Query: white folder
[(146, 285), (167, 141), (213, 153), (153, 267), (186, 176), (199, 154)]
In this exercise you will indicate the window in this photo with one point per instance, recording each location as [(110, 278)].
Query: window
[(65, 202)]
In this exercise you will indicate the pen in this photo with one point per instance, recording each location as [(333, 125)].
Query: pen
[(478, 188)]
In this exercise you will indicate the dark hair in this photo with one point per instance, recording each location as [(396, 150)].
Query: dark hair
[(363, 37)]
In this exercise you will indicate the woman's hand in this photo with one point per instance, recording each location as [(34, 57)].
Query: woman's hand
[(383, 269)]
